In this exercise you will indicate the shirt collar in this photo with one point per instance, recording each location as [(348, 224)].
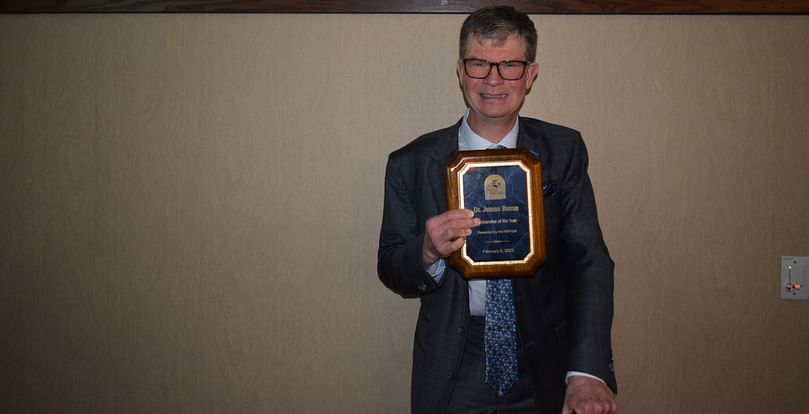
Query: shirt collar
[(469, 140)]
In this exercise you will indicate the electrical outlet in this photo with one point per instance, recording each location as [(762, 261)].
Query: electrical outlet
[(794, 278)]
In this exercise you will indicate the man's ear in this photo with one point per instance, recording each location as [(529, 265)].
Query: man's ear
[(459, 69), (531, 76)]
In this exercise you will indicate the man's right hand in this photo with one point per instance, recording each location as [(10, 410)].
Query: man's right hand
[(446, 233)]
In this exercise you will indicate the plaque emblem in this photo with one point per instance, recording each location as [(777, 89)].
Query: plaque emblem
[(495, 187)]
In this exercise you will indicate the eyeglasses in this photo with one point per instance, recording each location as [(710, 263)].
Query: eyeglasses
[(507, 69)]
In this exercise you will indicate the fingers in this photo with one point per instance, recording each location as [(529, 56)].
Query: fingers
[(592, 407), (446, 228), (446, 233), (588, 396)]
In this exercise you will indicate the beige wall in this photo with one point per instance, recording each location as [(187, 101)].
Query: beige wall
[(190, 205)]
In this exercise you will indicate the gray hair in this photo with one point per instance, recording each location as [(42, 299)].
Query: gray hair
[(498, 23)]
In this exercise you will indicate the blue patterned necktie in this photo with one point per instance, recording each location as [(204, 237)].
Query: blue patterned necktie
[(501, 333)]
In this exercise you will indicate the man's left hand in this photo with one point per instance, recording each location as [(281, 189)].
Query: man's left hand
[(588, 396)]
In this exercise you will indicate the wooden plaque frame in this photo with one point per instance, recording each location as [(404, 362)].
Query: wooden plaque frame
[(526, 266)]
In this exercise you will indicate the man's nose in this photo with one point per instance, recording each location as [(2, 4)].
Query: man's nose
[(494, 76)]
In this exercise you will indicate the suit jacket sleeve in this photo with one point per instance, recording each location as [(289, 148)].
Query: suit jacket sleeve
[(399, 258), (590, 275)]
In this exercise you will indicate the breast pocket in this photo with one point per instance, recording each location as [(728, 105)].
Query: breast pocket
[(549, 189)]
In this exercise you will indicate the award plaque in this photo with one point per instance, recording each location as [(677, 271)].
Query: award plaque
[(504, 190)]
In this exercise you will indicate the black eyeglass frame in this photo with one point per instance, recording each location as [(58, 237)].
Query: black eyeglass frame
[(525, 64)]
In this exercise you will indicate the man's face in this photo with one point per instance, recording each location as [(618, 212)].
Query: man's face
[(494, 100)]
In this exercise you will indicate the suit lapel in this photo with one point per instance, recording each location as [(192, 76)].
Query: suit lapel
[(529, 140), (445, 149), (532, 140)]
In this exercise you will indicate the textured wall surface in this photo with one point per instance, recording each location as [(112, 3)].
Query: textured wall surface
[(190, 204)]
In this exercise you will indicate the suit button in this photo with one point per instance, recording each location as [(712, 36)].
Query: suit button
[(461, 330), (421, 286), (451, 376)]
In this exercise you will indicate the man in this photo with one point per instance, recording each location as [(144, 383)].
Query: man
[(563, 314)]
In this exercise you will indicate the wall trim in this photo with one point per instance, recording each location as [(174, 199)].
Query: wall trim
[(408, 6)]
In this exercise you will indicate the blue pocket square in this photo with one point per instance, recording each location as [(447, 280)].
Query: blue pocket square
[(549, 189)]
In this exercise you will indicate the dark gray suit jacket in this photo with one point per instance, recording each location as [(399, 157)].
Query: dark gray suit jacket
[(564, 313)]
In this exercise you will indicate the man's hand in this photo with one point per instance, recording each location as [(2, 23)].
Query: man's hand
[(588, 396), (446, 233)]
